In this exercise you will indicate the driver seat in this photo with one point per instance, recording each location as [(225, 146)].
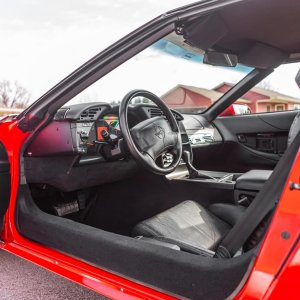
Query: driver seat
[(190, 225), (193, 227)]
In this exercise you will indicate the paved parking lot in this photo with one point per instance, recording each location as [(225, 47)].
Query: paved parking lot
[(22, 280)]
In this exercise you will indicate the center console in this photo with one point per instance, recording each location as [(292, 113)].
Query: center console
[(212, 179), (244, 186)]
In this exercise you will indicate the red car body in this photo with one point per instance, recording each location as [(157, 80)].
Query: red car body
[(274, 274), (235, 110), (277, 264)]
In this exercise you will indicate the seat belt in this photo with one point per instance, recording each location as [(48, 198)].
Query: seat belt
[(265, 201)]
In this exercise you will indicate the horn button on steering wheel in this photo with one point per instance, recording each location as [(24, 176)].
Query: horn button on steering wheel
[(154, 136)]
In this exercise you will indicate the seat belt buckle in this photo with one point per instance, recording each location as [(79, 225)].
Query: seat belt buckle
[(243, 200)]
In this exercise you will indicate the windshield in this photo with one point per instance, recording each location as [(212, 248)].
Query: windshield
[(170, 69)]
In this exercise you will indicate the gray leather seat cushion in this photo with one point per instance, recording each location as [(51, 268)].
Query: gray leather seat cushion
[(187, 222)]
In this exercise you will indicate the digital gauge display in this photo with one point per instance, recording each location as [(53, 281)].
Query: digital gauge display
[(112, 121), (109, 123)]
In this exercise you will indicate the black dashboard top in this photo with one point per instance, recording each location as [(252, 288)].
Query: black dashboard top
[(82, 111), (77, 129), (94, 110)]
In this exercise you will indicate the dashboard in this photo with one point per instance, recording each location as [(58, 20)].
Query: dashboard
[(90, 129), (83, 145)]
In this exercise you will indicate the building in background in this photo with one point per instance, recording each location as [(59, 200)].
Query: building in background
[(187, 98)]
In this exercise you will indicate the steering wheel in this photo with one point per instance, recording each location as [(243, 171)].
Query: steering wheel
[(153, 137)]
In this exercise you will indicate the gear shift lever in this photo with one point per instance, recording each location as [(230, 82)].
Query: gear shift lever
[(193, 172), (186, 156)]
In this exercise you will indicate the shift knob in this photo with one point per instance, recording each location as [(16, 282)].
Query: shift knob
[(186, 156), (193, 172)]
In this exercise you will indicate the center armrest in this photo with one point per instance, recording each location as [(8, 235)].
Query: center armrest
[(253, 180)]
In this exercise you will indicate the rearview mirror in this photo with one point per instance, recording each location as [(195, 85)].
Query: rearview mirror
[(220, 59)]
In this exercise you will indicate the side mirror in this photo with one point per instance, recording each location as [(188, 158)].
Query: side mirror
[(220, 59)]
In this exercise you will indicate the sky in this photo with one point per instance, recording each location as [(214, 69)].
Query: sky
[(44, 41), (158, 72)]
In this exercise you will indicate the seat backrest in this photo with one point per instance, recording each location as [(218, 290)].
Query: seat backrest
[(295, 128), (262, 205)]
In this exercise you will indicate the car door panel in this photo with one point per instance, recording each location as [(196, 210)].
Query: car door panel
[(248, 142), (231, 157)]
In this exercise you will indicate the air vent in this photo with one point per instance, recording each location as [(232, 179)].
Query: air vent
[(156, 112), (90, 114)]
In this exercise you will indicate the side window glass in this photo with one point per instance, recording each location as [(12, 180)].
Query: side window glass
[(278, 92)]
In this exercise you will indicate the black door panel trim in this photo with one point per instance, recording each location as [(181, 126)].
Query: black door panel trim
[(233, 155), (255, 123), (285, 118)]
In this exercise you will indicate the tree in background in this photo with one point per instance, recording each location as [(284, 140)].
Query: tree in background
[(266, 84), (13, 95)]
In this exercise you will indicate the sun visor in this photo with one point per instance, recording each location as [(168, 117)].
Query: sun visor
[(212, 33), (262, 56), (204, 33)]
